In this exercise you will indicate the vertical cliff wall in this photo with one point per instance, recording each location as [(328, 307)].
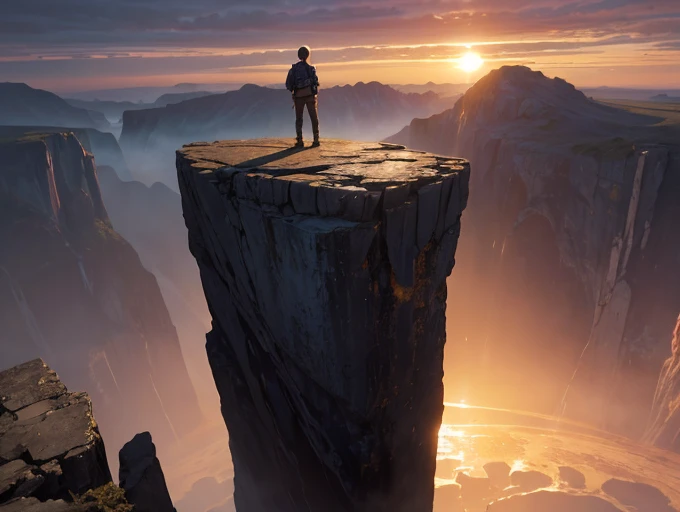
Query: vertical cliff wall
[(74, 292), (325, 273)]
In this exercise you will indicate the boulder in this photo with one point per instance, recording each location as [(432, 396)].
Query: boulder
[(474, 489), (498, 473), (530, 480), (642, 497), (542, 501)]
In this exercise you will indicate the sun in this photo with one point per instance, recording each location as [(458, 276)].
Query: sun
[(470, 62)]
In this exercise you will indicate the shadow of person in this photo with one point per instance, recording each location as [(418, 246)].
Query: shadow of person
[(273, 157)]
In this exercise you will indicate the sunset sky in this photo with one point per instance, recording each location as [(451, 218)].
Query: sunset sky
[(74, 45)]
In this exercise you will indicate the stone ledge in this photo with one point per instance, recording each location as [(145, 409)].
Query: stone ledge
[(350, 180)]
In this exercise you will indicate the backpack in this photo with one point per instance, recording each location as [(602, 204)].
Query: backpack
[(304, 77)]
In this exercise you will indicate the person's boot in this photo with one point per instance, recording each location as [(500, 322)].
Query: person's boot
[(316, 142), (299, 143)]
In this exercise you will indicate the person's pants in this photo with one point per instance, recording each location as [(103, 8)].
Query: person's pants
[(312, 108)]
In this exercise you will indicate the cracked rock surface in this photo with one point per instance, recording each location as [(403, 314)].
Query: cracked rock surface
[(49, 441), (325, 273)]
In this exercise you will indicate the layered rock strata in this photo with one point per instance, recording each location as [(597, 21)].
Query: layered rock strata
[(50, 445), (325, 273), (74, 292)]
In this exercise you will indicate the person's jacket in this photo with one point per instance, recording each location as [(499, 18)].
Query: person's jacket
[(300, 76)]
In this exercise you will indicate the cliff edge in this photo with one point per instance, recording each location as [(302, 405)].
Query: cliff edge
[(325, 273)]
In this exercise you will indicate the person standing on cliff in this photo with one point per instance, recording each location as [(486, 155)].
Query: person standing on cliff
[(303, 83)]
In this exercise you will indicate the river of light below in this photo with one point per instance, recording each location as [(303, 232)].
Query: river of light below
[(471, 437)]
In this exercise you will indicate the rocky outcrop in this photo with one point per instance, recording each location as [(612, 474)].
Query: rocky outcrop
[(571, 257), (50, 444), (325, 273), (359, 112), (141, 476), (664, 426), (74, 292)]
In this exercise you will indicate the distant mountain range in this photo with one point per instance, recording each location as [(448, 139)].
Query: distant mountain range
[(665, 98), (21, 105), (149, 94), (443, 90), (361, 112), (113, 110), (623, 93)]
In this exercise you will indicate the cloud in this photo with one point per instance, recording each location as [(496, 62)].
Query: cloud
[(159, 36), (37, 24)]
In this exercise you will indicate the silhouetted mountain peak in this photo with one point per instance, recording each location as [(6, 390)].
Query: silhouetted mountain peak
[(251, 87), (532, 91)]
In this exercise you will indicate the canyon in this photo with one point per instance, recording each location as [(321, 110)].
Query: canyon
[(326, 276)]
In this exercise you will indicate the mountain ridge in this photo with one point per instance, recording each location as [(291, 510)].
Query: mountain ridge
[(23, 105)]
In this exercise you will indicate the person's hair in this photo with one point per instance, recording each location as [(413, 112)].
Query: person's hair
[(304, 53)]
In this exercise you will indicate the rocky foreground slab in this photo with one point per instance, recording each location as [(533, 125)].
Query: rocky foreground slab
[(49, 441), (52, 457), (325, 272)]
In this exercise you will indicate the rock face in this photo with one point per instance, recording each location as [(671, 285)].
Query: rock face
[(571, 246), (74, 292), (325, 273), (141, 476), (49, 441), (664, 427)]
